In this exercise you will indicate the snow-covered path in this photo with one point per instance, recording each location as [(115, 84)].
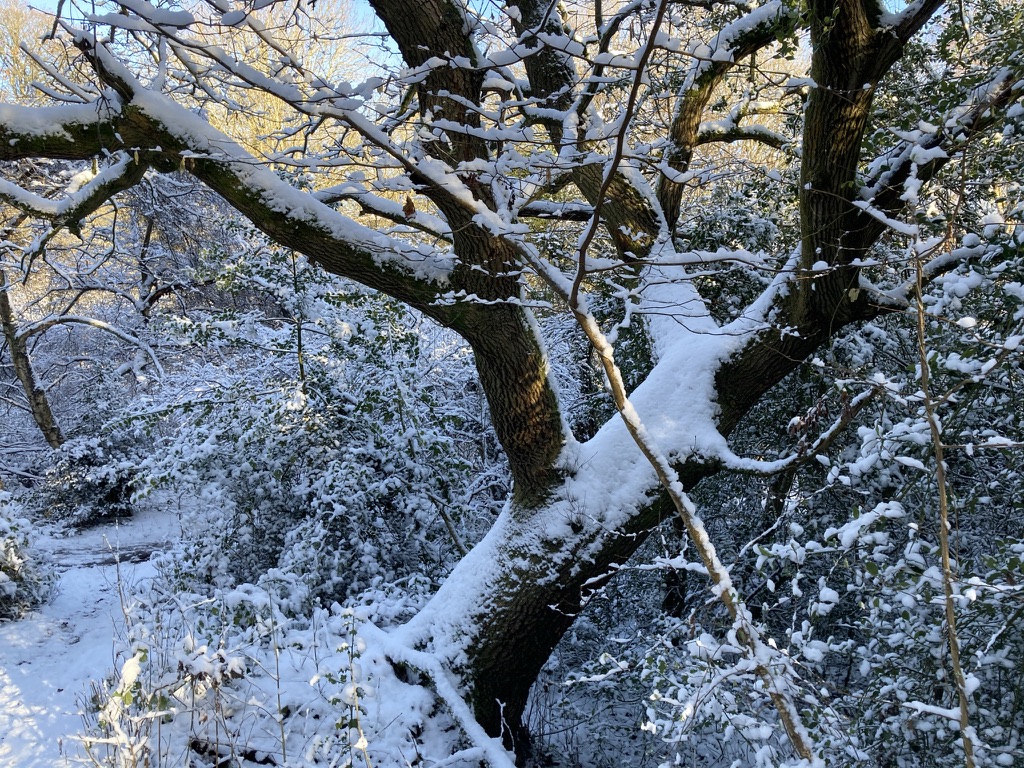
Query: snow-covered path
[(48, 658)]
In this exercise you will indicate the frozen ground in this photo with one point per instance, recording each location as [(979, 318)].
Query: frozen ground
[(48, 658)]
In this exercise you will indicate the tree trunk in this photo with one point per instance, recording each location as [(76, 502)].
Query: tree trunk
[(38, 402), (506, 606)]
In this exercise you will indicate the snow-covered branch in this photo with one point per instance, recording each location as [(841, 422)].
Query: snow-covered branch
[(38, 327)]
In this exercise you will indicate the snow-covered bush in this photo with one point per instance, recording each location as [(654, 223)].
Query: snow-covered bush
[(205, 679), (902, 691), (89, 481), (296, 476), (25, 581), (335, 455)]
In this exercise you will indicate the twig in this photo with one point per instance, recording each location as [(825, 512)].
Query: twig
[(947, 569)]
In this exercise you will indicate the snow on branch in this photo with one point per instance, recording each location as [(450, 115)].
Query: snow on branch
[(41, 326), (545, 209), (59, 122), (393, 210), (724, 132), (922, 153), (851, 409), (248, 182), (735, 41), (907, 22), (87, 191), (484, 747)]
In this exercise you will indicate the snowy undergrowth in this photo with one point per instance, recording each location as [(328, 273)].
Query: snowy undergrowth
[(230, 677), (852, 606), (321, 504), (24, 580), (214, 668), (215, 672)]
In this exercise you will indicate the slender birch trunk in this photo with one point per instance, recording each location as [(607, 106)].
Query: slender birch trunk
[(38, 402)]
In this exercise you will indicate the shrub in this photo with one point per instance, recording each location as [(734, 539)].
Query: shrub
[(88, 484), (24, 583)]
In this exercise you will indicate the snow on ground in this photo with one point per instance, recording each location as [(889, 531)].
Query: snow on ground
[(48, 658)]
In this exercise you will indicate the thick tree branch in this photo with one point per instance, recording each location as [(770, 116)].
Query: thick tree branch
[(69, 211), (437, 30), (626, 212), (912, 18), (543, 209), (736, 42)]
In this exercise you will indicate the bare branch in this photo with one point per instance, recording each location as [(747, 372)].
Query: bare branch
[(711, 133), (41, 326)]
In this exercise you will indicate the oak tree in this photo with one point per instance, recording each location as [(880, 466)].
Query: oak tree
[(443, 179)]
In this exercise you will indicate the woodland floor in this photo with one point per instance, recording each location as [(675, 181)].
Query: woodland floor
[(49, 658)]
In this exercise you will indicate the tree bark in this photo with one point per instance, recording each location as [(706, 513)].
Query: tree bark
[(38, 402)]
